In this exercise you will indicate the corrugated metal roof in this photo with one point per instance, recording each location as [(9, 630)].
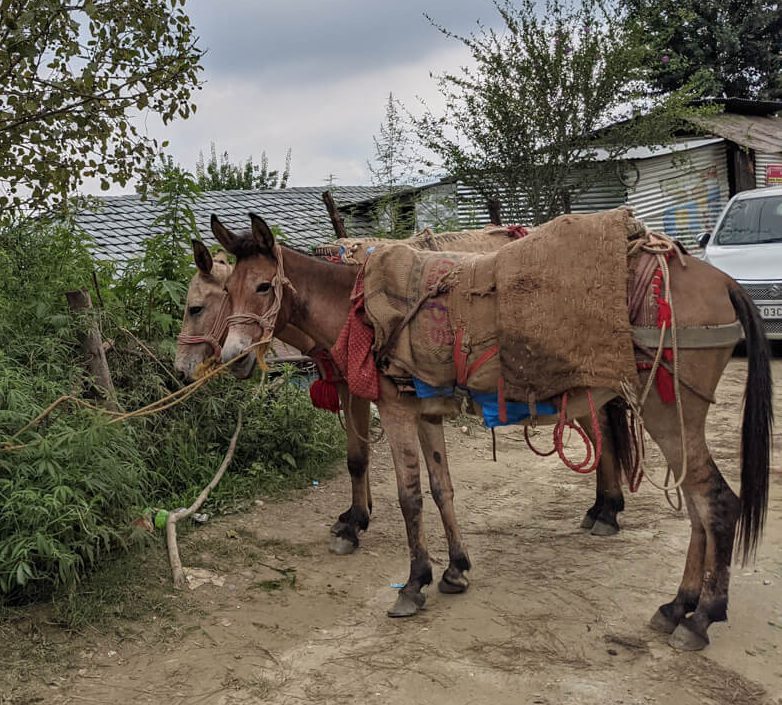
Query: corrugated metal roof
[(758, 132), (646, 152), (120, 224)]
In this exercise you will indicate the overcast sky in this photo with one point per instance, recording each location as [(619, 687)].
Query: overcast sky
[(314, 75)]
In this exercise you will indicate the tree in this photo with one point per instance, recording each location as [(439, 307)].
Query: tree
[(393, 163), (394, 168), (71, 74), (728, 47), (521, 124), (223, 175)]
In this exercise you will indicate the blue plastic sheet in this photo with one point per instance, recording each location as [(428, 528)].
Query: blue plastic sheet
[(516, 411)]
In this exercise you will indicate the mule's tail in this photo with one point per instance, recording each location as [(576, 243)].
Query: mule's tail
[(625, 452), (756, 426)]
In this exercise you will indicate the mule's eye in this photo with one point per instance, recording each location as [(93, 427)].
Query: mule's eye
[(195, 310), (263, 287)]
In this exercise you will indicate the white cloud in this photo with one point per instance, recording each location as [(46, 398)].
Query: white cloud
[(318, 85)]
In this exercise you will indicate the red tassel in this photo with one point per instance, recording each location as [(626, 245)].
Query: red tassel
[(664, 380), (324, 395), (663, 313)]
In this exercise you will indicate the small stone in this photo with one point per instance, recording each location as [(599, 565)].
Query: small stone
[(464, 429), (111, 654), (613, 652), (767, 582)]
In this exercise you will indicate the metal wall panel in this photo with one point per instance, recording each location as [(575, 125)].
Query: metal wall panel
[(473, 213), (682, 194), (762, 160)]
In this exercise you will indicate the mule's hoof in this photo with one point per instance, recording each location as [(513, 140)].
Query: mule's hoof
[(661, 623), (588, 521), (407, 605), (453, 586), (341, 546), (685, 639), (602, 528)]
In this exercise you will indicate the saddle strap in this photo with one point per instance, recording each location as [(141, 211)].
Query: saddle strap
[(692, 338)]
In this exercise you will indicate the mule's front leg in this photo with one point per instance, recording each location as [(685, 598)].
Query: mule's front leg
[(399, 421), (344, 533), (430, 433)]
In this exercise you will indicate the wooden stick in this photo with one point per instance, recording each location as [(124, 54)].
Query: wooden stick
[(336, 219), (174, 517), (79, 303), (494, 211)]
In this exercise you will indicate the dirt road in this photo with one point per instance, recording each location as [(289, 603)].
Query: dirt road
[(553, 615)]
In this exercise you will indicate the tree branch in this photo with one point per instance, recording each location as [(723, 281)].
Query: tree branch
[(173, 550)]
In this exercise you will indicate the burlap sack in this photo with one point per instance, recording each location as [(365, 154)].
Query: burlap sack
[(554, 302), (562, 306), (397, 278), (356, 250)]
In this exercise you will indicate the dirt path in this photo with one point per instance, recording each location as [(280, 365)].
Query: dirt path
[(554, 615)]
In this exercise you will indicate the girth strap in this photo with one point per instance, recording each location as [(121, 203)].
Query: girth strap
[(693, 338)]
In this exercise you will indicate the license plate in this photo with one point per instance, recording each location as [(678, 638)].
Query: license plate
[(771, 311)]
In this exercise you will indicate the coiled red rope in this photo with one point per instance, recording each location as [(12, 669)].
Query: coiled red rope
[(592, 460)]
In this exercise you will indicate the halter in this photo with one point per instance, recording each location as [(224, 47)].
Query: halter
[(217, 333), (268, 320)]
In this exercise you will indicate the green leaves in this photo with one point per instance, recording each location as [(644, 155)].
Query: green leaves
[(224, 175), (56, 124), (520, 124), (724, 47)]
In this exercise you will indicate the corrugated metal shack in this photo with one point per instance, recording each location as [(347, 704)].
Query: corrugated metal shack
[(679, 189)]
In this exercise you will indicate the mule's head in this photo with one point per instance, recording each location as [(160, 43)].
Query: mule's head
[(206, 310), (256, 288)]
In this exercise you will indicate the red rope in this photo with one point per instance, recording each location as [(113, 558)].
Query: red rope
[(590, 462)]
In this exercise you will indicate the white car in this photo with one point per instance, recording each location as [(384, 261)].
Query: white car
[(747, 245)]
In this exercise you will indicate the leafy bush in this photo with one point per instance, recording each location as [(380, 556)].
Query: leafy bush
[(70, 495)]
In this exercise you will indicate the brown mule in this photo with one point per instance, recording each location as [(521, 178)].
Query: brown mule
[(313, 296), (203, 332)]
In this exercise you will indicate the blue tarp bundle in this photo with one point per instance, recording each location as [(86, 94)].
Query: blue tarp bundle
[(516, 411)]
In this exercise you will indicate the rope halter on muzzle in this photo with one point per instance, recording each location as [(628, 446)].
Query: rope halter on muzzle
[(268, 321), (215, 337)]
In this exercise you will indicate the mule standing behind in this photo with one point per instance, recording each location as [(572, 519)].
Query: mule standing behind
[(268, 293)]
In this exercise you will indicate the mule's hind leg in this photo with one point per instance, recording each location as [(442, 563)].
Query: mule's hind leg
[(344, 532), (430, 433), (713, 508), (609, 501), (400, 422)]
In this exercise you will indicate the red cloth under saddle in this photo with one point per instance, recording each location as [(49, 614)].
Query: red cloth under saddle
[(663, 378), (352, 352), (517, 231)]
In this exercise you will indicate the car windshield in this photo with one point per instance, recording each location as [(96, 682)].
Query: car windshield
[(751, 222)]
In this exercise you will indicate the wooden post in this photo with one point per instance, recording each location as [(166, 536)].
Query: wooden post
[(494, 211), (79, 302), (336, 219)]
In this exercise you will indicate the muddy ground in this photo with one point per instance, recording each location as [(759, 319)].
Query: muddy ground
[(554, 615)]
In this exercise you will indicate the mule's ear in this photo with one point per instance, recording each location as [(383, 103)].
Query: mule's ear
[(262, 233), (202, 257), (224, 236)]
